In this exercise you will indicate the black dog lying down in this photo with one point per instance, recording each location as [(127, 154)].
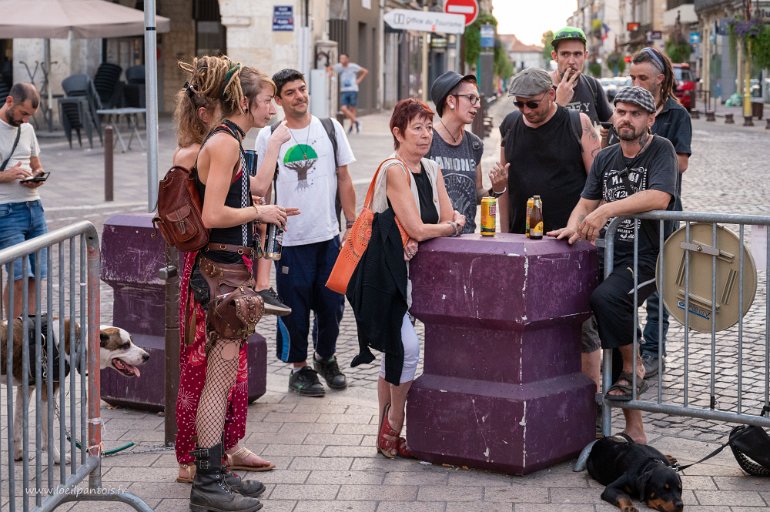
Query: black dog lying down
[(631, 470)]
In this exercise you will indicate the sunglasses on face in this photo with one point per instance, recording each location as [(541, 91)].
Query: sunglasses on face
[(530, 104)]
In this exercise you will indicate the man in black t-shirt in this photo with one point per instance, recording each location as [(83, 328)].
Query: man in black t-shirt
[(635, 176), (574, 90), (543, 153), (547, 151)]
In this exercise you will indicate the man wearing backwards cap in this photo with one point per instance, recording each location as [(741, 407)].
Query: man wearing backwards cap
[(574, 89), (457, 151), (635, 176)]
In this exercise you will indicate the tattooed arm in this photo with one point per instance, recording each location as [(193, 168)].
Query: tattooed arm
[(589, 141)]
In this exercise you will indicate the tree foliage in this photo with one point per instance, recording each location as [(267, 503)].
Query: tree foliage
[(616, 64), (678, 51), (547, 40), (503, 65)]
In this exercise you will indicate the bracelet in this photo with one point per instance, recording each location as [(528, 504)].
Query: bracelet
[(256, 209), (497, 194), (455, 228), (349, 223)]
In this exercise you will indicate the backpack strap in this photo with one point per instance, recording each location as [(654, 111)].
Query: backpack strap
[(591, 85), (332, 133), (577, 126)]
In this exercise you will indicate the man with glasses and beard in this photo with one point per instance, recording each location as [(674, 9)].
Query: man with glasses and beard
[(21, 213), (457, 151), (546, 150), (637, 175)]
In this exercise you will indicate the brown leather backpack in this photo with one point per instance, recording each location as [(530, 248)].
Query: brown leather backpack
[(179, 211)]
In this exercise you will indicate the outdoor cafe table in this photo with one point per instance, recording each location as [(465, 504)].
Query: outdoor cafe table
[(132, 113)]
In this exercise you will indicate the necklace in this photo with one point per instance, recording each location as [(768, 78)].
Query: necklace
[(304, 147), (454, 139)]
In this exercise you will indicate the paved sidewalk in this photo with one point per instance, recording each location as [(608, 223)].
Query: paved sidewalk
[(324, 448)]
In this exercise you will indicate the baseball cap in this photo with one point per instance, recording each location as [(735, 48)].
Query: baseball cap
[(566, 33), (530, 82), (443, 85), (636, 96)]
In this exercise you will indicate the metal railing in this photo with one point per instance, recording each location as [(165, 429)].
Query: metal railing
[(716, 374), (66, 407)]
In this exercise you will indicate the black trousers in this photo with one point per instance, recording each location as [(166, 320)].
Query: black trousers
[(613, 302)]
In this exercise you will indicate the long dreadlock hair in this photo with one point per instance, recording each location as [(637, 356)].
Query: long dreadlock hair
[(661, 62), (199, 91)]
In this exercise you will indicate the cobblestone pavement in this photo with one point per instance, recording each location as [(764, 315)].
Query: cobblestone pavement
[(324, 448)]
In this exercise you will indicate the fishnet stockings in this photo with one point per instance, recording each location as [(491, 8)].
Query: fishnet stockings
[(221, 371)]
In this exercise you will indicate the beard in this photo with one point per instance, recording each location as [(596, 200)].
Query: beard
[(629, 133), (9, 118)]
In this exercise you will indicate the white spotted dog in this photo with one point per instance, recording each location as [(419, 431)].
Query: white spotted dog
[(116, 351)]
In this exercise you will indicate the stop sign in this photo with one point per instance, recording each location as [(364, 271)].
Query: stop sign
[(467, 8)]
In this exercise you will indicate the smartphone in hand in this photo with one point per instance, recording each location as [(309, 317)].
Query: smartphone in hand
[(36, 178), (605, 124)]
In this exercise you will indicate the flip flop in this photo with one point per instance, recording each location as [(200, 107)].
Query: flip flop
[(641, 387), (244, 453), (190, 469)]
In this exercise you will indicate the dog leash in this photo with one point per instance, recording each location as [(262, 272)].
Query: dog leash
[(678, 468)]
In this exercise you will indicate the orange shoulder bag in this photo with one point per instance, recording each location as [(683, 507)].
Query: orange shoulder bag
[(357, 240)]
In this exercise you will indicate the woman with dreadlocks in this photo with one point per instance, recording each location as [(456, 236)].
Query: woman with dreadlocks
[(221, 271), (198, 110)]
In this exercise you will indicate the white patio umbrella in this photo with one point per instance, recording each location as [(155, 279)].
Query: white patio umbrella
[(55, 19), (58, 19)]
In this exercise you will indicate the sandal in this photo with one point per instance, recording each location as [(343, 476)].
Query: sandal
[(641, 387), (244, 453), (387, 438), (403, 450), (189, 473)]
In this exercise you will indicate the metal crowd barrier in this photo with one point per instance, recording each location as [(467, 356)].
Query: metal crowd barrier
[(72, 421), (712, 373)]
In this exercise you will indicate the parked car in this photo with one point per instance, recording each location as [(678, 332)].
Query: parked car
[(613, 84), (685, 85)]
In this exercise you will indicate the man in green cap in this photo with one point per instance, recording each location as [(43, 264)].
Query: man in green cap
[(574, 90)]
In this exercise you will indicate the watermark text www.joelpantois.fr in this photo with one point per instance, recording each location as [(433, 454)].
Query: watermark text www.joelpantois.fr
[(77, 491)]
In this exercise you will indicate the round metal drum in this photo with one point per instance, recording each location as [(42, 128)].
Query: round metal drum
[(704, 247)]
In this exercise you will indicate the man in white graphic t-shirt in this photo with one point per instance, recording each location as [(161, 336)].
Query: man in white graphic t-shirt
[(310, 174)]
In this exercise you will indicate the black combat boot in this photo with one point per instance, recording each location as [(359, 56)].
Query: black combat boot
[(250, 488), (210, 491)]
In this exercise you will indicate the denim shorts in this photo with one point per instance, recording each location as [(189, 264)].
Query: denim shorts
[(349, 98), (20, 222)]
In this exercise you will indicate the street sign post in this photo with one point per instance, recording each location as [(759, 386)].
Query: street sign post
[(467, 8), (425, 21), (487, 36)]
